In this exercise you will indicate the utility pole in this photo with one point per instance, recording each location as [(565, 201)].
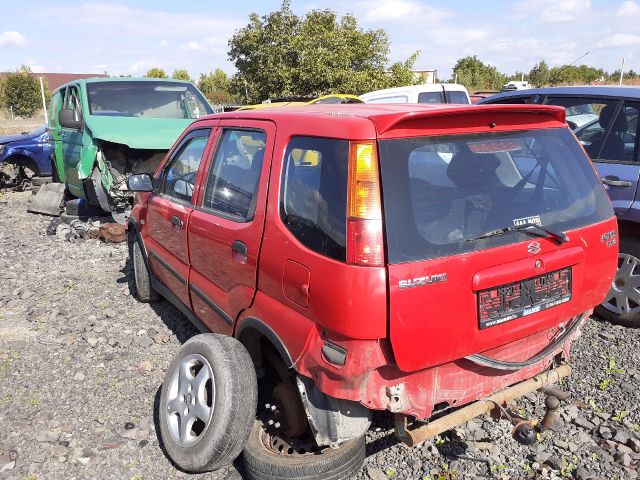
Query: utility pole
[(621, 70), (44, 102)]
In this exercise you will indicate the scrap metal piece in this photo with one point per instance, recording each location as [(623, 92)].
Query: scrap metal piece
[(48, 200), (113, 233), (552, 403), (452, 420)]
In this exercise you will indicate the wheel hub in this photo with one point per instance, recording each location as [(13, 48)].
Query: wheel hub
[(190, 400), (624, 296)]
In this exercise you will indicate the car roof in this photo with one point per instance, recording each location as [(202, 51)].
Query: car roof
[(425, 87), (629, 91), (120, 79), (384, 116)]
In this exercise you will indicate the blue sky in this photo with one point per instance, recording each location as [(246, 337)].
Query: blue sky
[(127, 37)]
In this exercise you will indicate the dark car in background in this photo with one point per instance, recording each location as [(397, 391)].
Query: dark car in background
[(605, 121), (25, 156)]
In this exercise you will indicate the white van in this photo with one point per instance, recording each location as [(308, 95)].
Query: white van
[(427, 93)]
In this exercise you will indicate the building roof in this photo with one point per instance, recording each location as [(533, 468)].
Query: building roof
[(56, 80)]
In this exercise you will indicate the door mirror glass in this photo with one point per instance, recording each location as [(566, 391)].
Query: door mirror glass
[(142, 182), (71, 118)]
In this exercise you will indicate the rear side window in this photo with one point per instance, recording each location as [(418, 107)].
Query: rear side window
[(430, 97), (313, 196), (440, 193), (456, 96)]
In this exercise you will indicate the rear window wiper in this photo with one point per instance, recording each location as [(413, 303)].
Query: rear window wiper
[(530, 228)]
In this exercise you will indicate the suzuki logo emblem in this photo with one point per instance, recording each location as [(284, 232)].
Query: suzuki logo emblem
[(533, 248)]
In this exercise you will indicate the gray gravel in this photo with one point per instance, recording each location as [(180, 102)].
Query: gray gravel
[(81, 363)]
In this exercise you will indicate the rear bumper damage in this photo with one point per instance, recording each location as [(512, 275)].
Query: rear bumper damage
[(370, 377), (412, 437)]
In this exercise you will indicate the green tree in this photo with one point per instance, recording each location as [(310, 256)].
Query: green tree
[(539, 75), (575, 74), (282, 54), (181, 74), (21, 92), (215, 86), (476, 75), (156, 72)]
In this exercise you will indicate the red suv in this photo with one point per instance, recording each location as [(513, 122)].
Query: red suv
[(417, 259)]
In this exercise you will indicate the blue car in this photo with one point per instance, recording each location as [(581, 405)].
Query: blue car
[(605, 120), (24, 156)]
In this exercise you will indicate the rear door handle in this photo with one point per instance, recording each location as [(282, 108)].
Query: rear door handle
[(614, 181), (176, 221), (239, 247)]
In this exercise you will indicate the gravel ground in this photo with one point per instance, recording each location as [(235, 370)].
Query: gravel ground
[(81, 363)]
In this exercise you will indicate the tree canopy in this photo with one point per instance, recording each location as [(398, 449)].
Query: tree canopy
[(181, 74), (156, 72), (283, 54), (215, 86), (21, 92), (476, 75)]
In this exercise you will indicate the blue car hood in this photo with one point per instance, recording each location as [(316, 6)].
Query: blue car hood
[(13, 138)]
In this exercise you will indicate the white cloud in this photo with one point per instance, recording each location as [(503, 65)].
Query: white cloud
[(12, 39), (618, 40), (384, 11), (628, 8), (163, 43), (194, 45), (566, 10)]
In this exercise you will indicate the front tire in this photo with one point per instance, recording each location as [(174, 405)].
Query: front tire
[(141, 275), (208, 403), (622, 305), (265, 458)]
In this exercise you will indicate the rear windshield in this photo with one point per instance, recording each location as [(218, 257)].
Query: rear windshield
[(150, 99), (441, 192)]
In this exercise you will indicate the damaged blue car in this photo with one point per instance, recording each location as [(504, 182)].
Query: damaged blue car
[(25, 158)]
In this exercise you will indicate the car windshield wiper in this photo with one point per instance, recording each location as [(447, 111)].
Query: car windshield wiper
[(530, 228)]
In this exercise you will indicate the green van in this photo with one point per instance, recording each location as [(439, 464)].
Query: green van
[(107, 128)]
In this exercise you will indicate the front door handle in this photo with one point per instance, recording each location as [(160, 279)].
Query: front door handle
[(176, 221), (614, 181)]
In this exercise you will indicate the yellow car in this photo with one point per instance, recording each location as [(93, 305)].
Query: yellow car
[(333, 98)]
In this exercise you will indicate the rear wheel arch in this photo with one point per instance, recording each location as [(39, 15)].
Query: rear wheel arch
[(252, 332)]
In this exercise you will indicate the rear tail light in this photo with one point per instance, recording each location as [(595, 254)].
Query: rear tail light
[(364, 210)]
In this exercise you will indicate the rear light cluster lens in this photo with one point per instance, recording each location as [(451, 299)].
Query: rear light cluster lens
[(364, 219)]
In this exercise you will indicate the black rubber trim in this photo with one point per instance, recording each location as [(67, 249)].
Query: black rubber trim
[(268, 332), (186, 311), (171, 270), (503, 365), (211, 304)]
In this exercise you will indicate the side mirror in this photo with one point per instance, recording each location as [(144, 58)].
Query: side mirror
[(142, 182), (70, 118), (572, 125)]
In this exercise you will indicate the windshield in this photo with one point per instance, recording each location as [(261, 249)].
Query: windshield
[(442, 192), (151, 99), (37, 132)]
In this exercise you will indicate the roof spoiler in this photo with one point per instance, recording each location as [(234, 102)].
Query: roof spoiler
[(384, 124)]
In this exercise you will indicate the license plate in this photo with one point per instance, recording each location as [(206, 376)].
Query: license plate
[(514, 300)]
